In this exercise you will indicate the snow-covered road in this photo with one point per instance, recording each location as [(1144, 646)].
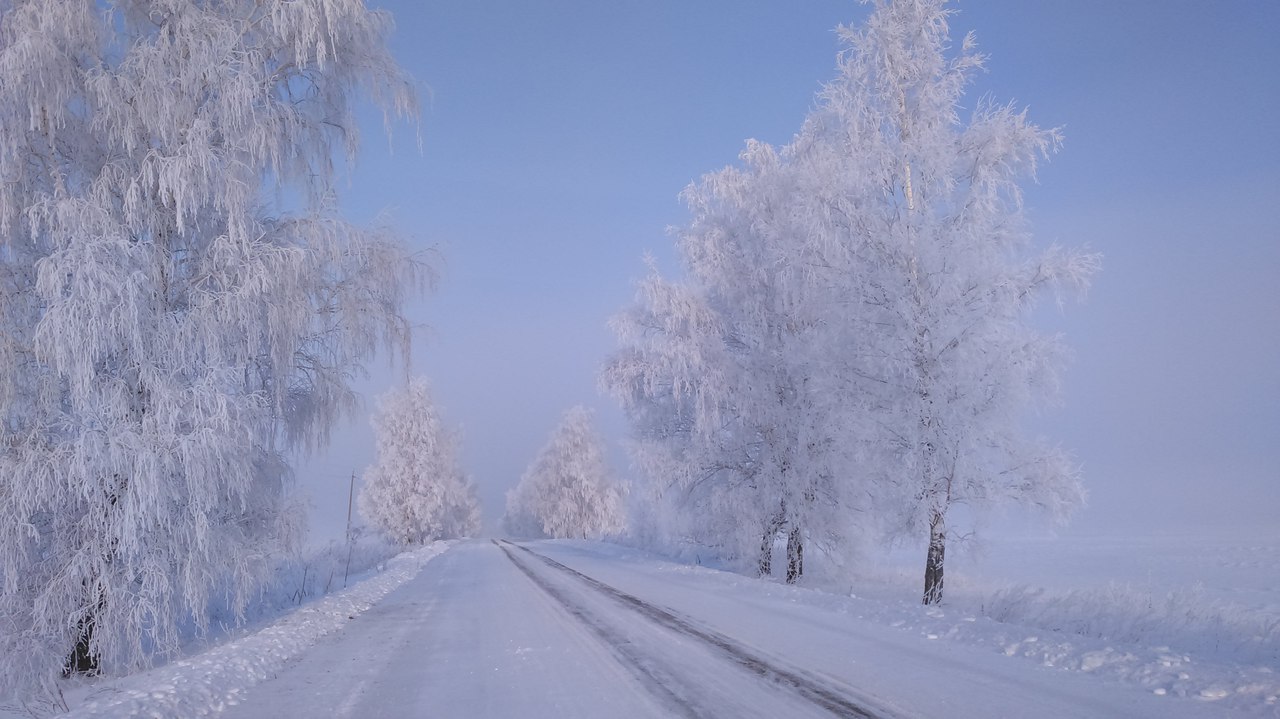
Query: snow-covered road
[(585, 630), (468, 637)]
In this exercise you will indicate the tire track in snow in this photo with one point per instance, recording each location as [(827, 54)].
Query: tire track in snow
[(656, 680), (809, 688)]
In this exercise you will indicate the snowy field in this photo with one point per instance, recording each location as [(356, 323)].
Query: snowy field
[(1192, 615), (1155, 626), (1241, 568)]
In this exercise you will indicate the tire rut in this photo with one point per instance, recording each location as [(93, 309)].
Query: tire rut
[(795, 682), (657, 681)]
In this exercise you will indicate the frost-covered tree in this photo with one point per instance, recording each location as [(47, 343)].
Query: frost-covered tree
[(461, 509), (518, 520), (720, 376), (921, 223), (416, 491), (852, 348), (568, 488), (183, 307)]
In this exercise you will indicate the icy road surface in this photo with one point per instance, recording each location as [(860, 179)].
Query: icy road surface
[(553, 630)]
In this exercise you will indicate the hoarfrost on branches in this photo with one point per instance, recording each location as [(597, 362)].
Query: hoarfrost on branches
[(182, 305), (416, 491), (568, 490), (725, 378), (518, 521), (850, 355)]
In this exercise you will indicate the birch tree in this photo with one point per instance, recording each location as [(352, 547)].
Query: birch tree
[(716, 374), (416, 491), (923, 220), (183, 305), (850, 353), (568, 487), (518, 521), (461, 509)]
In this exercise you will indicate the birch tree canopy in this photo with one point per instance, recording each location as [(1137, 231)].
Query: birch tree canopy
[(850, 354), (416, 490), (183, 307)]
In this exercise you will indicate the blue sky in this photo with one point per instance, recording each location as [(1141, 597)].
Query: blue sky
[(557, 136)]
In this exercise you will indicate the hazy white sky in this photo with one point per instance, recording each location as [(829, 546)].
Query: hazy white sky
[(557, 136)]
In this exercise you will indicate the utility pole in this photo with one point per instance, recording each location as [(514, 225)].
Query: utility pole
[(351, 493)]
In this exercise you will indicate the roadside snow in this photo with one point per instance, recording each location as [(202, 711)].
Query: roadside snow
[(1190, 647), (204, 684), (1191, 615), (482, 633), (1081, 645)]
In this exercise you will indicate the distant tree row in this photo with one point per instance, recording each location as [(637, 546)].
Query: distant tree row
[(568, 490), (848, 356)]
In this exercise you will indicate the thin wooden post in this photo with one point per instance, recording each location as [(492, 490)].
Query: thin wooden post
[(351, 492)]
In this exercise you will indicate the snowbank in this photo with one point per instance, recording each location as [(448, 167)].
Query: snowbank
[(204, 684)]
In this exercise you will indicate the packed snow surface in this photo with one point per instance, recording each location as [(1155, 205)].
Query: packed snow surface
[(586, 629)]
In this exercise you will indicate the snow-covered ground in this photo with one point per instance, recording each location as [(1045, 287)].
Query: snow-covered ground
[(205, 683), (1191, 614), (1120, 627), (1088, 641)]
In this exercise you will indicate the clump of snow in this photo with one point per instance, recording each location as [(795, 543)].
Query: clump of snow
[(205, 684)]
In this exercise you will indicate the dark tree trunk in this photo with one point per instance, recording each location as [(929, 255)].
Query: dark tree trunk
[(795, 554), (83, 659), (765, 565), (933, 562)]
